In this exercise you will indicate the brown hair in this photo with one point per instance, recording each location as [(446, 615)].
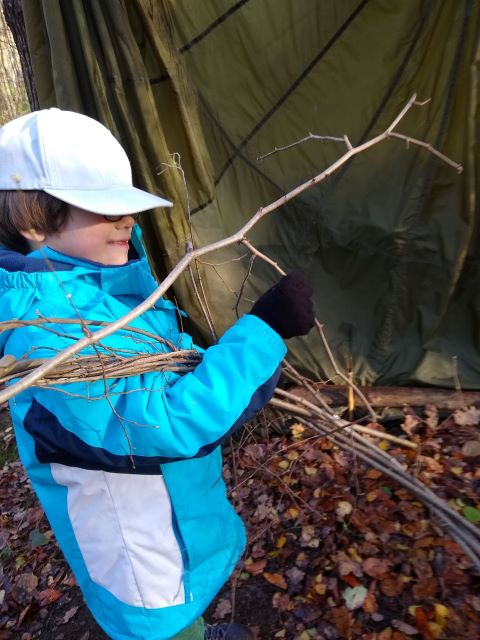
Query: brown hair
[(29, 210)]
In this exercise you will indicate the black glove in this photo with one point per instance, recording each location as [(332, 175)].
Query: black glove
[(287, 307)]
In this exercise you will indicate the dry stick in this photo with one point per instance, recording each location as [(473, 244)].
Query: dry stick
[(183, 263), (426, 145), (311, 136), (6, 325), (337, 426), (344, 427), (319, 326), (264, 257), (334, 420), (341, 375), (242, 286), (295, 375), (112, 365), (334, 424), (202, 299)]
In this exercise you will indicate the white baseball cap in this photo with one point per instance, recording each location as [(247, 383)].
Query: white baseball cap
[(74, 158)]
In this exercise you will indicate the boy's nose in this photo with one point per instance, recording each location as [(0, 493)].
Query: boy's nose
[(125, 221)]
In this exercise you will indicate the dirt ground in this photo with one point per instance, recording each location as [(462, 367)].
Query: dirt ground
[(253, 608)]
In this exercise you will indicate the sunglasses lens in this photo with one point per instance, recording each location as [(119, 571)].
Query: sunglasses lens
[(135, 217)]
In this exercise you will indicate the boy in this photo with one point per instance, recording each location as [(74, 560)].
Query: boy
[(128, 470)]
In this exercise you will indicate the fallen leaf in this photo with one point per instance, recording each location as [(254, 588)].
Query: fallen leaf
[(405, 628), (466, 416), (26, 581), (430, 465), (370, 604), (36, 539), (431, 416), (435, 629), (343, 509), (376, 567), (373, 474), (425, 588), (255, 568), (281, 601), (281, 540), (471, 514), (297, 430), (276, 579), (421, 621), (342, 618), (441, 615), (21, 617), (311, 471), (354, 597), (471, 449), (68, 615), (292, 512), (392, 586), (352, 581), (346, 566), (223, 608), (295, 576), (47, 596), (411, 423)]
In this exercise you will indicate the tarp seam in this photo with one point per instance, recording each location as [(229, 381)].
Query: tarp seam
[(203, 34), (292, 87)]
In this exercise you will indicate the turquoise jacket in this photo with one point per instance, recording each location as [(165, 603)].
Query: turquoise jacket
[(128, 470)]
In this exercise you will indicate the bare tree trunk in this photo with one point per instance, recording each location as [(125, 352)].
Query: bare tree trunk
[(13, 13)]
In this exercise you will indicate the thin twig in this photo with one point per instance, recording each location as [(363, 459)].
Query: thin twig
[(306, 384), (319, 326), (311, 136), (408, 140), (287, 406), (341, 375)]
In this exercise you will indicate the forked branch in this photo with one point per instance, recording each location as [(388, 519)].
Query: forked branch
[(32, 378)]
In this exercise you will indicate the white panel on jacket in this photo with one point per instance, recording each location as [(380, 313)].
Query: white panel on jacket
[(123, 526)]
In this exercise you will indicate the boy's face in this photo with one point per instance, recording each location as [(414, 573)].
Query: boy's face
[(93, 237)]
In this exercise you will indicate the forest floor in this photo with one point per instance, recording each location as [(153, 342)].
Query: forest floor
[(336, 549)]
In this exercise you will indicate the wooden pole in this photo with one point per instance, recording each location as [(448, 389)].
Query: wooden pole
[(450, 399)]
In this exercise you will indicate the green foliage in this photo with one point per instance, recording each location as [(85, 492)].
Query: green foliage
[(472, 514)]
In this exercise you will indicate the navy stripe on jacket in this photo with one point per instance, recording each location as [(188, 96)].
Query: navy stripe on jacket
[(54, 443)]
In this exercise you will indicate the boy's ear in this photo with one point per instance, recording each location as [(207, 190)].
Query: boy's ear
[(33, 236)]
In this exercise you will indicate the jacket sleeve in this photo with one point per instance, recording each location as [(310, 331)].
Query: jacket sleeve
[(134, 424)]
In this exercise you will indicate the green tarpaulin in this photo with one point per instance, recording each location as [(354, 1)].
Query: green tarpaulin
[(390, 241)]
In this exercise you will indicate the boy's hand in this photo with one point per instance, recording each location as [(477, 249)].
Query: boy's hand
[(287, 307)]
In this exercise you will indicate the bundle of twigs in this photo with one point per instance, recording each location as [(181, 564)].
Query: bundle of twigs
[(105, 363), (101, 366)]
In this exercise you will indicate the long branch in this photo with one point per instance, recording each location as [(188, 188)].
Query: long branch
[(237, 237)]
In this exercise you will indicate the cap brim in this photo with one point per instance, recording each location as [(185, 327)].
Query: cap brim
[(113, 201)]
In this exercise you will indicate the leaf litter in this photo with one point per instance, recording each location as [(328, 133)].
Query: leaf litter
[(336, 549)]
